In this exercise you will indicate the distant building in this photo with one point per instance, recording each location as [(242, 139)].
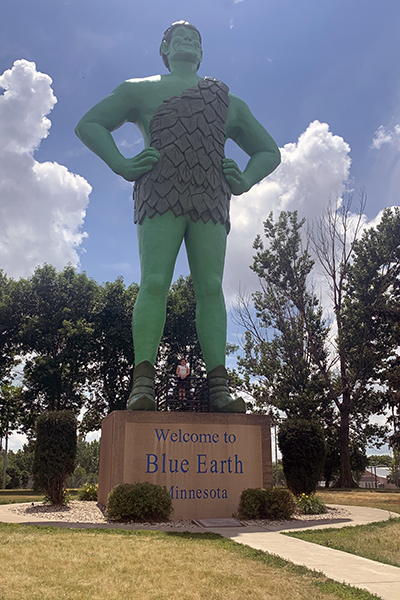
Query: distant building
[(376, 477)]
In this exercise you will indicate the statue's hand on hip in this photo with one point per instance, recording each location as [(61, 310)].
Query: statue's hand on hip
[(235, 177), (132, 168)]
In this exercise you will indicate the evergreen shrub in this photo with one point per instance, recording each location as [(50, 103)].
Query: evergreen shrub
[(302, 444), (55, 452), (258, 503), (139, 502)]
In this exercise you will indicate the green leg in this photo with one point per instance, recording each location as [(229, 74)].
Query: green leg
[(159, 241), (205, 246)]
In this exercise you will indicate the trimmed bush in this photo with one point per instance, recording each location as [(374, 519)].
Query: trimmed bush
[(302, 444), (55, 452), (252, 502), (280, 504), (275, 504), (139, 502)]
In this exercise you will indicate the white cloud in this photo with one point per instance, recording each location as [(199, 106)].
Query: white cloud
[(43, 205), (313, 170), (383, 136), (16, 441)]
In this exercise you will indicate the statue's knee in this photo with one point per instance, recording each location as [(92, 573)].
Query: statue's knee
[(155, 285), (210, 288)]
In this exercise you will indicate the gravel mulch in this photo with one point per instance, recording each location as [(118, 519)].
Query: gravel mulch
[(91, 512)]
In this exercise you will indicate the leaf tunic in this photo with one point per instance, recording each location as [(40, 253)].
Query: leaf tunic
[(189, 133)]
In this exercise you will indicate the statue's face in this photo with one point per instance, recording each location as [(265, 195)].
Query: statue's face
[(184, 45)]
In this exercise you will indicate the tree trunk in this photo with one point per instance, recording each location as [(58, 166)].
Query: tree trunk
[(5, 461), (346, 478)]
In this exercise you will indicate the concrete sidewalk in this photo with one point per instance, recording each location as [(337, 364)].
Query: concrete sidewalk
[(377, 578), (383, 580)]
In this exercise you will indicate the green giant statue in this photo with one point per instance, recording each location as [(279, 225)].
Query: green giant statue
[(183, 184)]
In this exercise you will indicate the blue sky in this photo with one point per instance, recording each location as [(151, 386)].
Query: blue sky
[(322, 77)]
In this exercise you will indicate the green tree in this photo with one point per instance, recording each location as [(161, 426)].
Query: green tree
[(380, 460), (86, 463), (364, 276), (394, 475), (112, 352), (19, 467), (57, 336), (179, 338), (278, 478), (287, 340), (358, 457), (11, 294), (279, 346), (10, 418)]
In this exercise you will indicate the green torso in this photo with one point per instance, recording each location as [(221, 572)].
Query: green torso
[(189, 133), (149, 93)]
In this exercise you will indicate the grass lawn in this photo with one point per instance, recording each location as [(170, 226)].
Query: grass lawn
[(377, 541), (46, 563), (15, 496), (386, 500)]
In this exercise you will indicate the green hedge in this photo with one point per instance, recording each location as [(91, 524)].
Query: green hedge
[(302, 444), (275, 504), (55, 452), (140, 502)]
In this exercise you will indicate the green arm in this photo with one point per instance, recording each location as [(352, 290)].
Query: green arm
[(95, 127), (244, 129)]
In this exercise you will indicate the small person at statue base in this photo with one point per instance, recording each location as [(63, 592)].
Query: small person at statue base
[(182, 371)]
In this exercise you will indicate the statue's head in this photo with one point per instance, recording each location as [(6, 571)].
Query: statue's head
[(176, 33)]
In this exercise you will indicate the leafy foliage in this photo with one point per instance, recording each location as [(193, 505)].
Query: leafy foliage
[(310, 504), (358, 458), (19, 467), (258, 503), (10, 408), (55, 452), (57, 335), (179, 338), (89, 492), (112, 352), (11, 311), (380, 460), (300, 369), (139, 502), (86, 464), (394, 475), (302, 444), (277, 340)]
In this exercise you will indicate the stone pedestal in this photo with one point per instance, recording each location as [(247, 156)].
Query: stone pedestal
[(204, 460)]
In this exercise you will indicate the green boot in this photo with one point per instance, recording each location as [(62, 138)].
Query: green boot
[(142, 394), (220, 399)]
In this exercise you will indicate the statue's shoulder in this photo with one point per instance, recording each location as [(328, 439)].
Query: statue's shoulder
[(142, 81), (138, 85), (212, 82)]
